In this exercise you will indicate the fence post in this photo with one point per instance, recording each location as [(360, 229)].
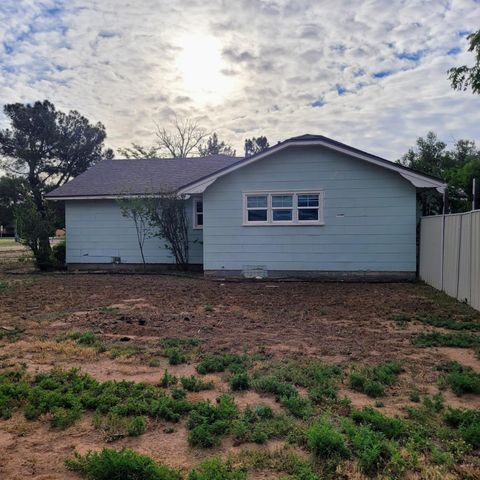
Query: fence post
[(476, 194)]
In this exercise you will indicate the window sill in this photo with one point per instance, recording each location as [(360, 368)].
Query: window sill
[(284, 224)]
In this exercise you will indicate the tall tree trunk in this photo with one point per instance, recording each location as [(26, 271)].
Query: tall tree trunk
[(44, 251)]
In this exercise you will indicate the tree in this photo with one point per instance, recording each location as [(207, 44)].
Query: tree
[(48, 147), (12, 192), (216, 147), (136, 151), (457, 166), (255, 145), (137, 209), (184, 138), (169, 221), (465, 77)]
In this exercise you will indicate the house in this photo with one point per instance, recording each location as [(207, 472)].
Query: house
[(307, 206)]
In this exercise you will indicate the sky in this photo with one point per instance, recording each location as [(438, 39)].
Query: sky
[(371, 74)]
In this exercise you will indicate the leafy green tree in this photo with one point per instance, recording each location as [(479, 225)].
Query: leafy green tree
[(47, 148), (255, 145), (12, 191), (216, 147), (457, 166), (137, 209), (465, 77)]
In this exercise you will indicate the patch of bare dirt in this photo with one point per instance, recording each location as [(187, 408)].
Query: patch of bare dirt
[(335, 323)]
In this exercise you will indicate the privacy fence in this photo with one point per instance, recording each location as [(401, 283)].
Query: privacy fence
[(450, 255)]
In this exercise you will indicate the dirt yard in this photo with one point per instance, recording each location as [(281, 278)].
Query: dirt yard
[(351, 325)]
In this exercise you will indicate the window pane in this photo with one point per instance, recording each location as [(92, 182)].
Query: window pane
[(199, 206), (308, 200), (306, 214), (282, 201), (257, 201), (257, 215), (282, 215), (200, 219)]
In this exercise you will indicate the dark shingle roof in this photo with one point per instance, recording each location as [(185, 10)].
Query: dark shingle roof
[(119, 177)]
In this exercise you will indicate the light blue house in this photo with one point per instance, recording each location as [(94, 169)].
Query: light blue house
[(307, 206)]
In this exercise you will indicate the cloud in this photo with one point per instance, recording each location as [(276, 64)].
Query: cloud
[(375, 71)]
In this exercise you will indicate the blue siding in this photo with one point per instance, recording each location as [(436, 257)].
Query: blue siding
[(376, 233), (97, 231)]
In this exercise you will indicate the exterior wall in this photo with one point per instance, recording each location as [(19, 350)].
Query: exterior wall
[(369, 212), (96, 231), (450, 255)]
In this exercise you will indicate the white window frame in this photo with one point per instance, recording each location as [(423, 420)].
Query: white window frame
[(295, 221), (196, 226)]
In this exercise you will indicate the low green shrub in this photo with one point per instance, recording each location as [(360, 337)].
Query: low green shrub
[(215, 469), (372, 380), (175, 356), (168, 379), (208, 422), (220, 362), (391, 427), (459, 378), (439, 339), (119, 465), (467, 422), (239, 381), (59, 254), (194, 384), (179, 393), (369, 447), (325, 441), (138, 426), (260, 424), (448, 322)]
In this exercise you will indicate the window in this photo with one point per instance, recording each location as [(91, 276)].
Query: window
[(197, 213), (257, 208), (283, 208)]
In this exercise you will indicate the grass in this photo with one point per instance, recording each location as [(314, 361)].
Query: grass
[(282, 379), (178, 350), (373, 380), (459, 378), (207, 423), (439, 339), (4, 286), (217, 363), (280, 460), (215, 469), (194, 384), (122, 464), (448, 322), (259, 424), (65, 395)]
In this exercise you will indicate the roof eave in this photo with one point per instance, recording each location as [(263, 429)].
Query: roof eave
[(417, 179)]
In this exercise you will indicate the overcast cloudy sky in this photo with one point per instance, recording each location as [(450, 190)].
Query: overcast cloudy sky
[(369, 73)]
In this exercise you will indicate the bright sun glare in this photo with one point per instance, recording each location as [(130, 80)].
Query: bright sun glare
[(200, 65)]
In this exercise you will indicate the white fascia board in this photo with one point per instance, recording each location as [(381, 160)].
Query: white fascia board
[(416, 179)]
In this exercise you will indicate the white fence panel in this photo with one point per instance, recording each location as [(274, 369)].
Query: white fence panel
[(431, 251), (450, 255)]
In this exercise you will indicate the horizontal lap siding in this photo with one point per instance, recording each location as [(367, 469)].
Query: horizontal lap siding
[(97, 231), (377, 231)]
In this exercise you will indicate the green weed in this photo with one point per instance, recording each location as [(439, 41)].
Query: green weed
[(438, 339), (459, 378), (372, 380), (215, 469), (119, 465), (220, 362), (239, 381), (325, 441), (194, 384), (207, 423)]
